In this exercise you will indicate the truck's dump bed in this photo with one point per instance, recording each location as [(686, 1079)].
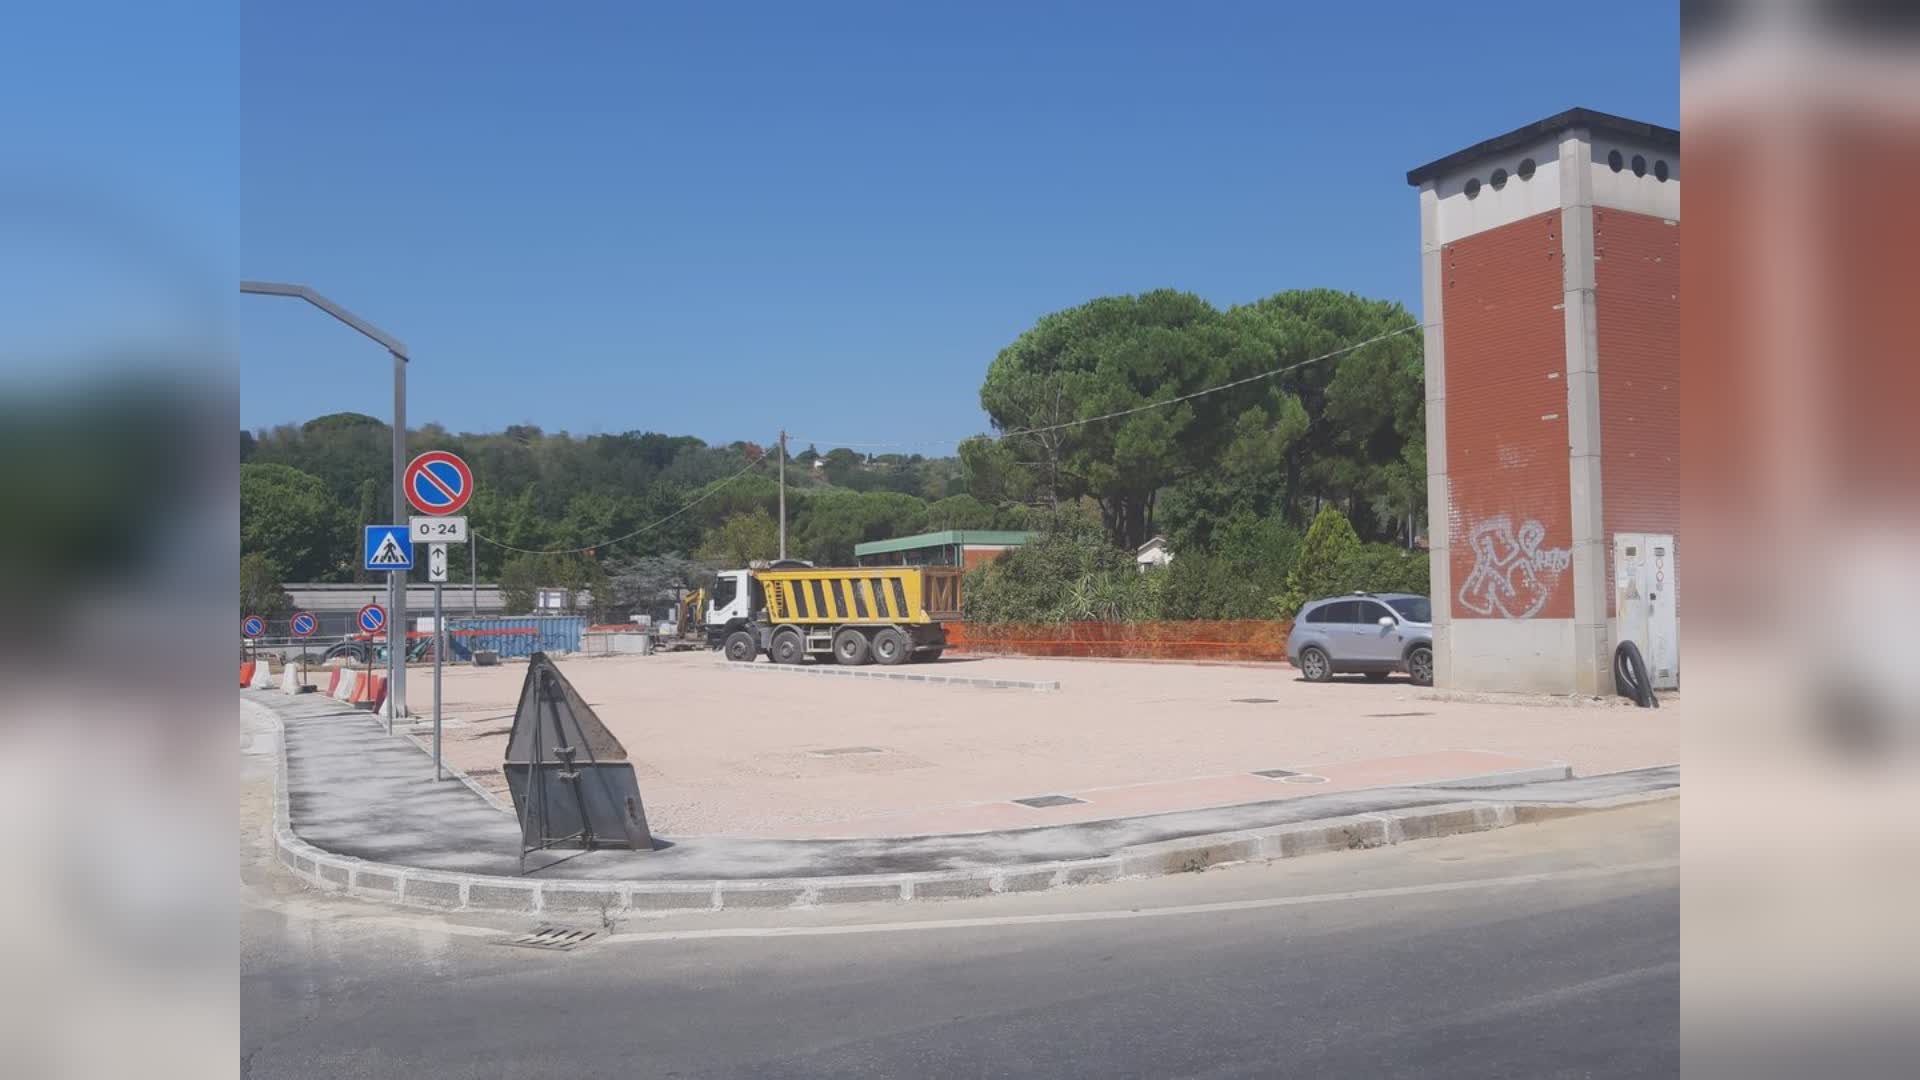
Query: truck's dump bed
[(867, 594)]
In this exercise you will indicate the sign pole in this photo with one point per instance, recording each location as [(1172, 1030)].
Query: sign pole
[(439, 639)]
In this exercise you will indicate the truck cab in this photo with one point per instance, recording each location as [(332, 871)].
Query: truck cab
[(732, 600)]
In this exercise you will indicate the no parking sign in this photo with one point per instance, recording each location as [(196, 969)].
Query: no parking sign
[(303, 624), (253, 626), (372, 619)]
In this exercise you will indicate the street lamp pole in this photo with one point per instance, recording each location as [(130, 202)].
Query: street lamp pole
[(396, 581)]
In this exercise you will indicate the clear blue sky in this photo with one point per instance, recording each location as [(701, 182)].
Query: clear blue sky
[(721, 220)]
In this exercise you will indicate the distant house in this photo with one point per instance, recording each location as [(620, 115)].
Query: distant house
[(1154, 553), (966, 548)]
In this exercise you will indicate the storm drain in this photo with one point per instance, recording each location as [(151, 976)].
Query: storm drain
[(1041, 802), (1255, 701), (552, 939), (1387, 715), (842, 751)]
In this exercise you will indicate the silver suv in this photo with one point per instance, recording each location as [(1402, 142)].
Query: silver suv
[(1375, 634)]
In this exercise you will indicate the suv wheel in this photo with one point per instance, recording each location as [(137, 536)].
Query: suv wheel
[(1315, 666), (1420, 665)]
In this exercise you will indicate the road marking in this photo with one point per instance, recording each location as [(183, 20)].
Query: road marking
[(1054, 918)]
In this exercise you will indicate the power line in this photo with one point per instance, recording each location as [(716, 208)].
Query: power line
[(696, 501)]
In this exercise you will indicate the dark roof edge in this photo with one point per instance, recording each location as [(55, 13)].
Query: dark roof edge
[(1662, 138)]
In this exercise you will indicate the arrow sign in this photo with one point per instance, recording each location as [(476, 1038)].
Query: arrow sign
[(303, 624), (387, 548), (436, 562), (372, 618), (253, 626), (437, 482)]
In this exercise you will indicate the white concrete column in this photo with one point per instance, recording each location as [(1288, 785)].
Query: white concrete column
[(1592, 660), (1433, 275)]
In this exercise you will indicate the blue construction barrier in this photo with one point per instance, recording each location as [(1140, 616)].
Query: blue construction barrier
[(551, 634)]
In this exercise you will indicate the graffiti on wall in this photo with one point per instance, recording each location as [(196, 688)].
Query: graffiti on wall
[(1513, 576)]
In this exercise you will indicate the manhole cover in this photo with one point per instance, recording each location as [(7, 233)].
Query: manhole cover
[(1386, 715), (842, 751), (1041, 802), (1255, 701), (1275, 774), (552, 938)]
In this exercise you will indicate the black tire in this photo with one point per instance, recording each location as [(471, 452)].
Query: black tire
[(927, 656), (1315, 665), (851, 647), (739, 647), (891, 647), (1630, 677), (1420, 665), (787, 648), (1377, 676)]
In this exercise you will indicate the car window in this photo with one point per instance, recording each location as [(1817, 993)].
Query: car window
[(1371, 610), (1413, 608), (1340, 611)]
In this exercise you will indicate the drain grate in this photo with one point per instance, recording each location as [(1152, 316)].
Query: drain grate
[(1274, 774), (1256, 701), (842, 751), (1041, 802), (1303, 778), (552, 939), (1386, 715)]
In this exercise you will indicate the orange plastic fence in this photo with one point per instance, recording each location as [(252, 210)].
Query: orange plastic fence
[(1239, 639)]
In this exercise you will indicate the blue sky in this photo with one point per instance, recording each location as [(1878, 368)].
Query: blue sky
[(721, 220)]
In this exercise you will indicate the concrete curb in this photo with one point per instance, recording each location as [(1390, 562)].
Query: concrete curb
[(893, 676), (447, 891)]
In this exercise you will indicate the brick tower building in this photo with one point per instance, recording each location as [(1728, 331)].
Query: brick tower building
[(1550, 271)]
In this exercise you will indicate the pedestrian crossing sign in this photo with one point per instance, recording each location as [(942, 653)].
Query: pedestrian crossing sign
[(388, 548)]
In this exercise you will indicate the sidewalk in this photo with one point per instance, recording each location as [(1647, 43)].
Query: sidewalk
[(359, 811)]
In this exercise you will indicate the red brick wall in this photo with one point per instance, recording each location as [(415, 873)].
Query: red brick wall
[(1637, 319), (1506, 421)]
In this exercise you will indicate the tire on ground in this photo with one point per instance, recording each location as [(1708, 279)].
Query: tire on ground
[(1315, 664), (851, 647), (788, 648), (891, 647), (1420, 665), (739, 647)]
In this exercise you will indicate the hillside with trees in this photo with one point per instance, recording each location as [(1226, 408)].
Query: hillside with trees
[(1108, 429)]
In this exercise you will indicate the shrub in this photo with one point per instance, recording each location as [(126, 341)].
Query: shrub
[(1324, 561)]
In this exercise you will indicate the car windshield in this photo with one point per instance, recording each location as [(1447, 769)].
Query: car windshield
[(1413, 608)]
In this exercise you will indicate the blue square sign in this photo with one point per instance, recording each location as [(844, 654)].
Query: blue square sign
[(388, 548)]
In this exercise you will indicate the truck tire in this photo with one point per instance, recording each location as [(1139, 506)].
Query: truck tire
[(891, 647), (851, 647), (739, 647), (787, 648)]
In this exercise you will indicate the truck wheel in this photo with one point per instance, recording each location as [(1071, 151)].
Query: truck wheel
[(787, 648), (739, 647), (891, 647), (851, 647)]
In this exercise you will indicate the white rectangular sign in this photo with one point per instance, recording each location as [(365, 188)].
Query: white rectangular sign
[(436, 562), (438, 530)]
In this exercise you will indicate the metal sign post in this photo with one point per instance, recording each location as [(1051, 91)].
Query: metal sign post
[(438, 484), (437, 573)]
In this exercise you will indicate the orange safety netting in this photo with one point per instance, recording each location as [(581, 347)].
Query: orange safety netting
[(1237, 639)]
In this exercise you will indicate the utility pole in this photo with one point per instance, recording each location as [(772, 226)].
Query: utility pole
[(783, 494)]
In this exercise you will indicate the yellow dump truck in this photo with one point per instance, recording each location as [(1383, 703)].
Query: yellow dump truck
[(855, 615)]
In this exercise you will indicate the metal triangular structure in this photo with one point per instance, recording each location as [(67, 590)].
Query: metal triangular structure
[(571, 783)]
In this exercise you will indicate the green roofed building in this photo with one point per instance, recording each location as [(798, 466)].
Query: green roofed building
[(965, 548)]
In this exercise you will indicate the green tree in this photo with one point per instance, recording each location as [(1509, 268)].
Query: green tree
[(260, 590), (960, 512), (1324, 565), (289, 517), (1068, 572), (742, 538)]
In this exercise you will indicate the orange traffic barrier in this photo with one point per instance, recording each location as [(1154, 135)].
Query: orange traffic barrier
[(246, 674), (371, 692)]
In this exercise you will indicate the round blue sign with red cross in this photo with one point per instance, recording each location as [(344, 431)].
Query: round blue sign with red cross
[(303, 624), (253, 626), (373, 618), (437, 482)]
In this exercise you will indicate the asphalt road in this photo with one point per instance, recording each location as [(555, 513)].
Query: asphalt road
[(1537, 951)]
